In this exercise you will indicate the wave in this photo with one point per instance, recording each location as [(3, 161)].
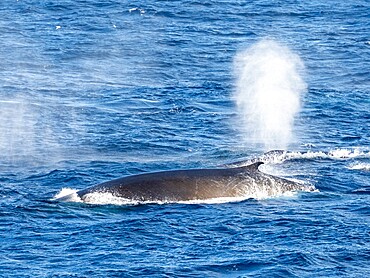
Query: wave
[(275, 157), (359, 166)]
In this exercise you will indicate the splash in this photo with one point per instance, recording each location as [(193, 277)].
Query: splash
[(268, 94), (69, 194)]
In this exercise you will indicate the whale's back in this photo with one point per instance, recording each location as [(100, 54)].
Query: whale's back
[(173, 185), (194, 184)]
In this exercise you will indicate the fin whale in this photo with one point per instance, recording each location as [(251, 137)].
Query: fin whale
[(193, 184)]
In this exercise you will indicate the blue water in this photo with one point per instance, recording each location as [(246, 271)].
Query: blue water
[(95, 90)]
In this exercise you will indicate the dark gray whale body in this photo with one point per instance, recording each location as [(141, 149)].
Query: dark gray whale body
[(196, 184)]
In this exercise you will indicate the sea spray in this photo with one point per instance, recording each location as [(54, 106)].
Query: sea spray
[(269, 89), (26, 137)]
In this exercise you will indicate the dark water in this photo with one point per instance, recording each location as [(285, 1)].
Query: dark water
[(96, 90)]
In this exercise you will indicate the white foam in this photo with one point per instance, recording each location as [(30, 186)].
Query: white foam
[(349, 153), (109, 199), (335, 154), (69, 194), (100, 198), (142, 11), (256, 196), (360, 166)]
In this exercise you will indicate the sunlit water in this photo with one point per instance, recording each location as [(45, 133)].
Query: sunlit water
[(94, 91)]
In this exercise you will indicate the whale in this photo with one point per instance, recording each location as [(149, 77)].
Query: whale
[(194, 184)]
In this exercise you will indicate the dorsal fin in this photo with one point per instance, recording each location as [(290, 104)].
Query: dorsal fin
[(253, 167)]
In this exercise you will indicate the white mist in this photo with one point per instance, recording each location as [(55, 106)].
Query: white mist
[(268, 93)]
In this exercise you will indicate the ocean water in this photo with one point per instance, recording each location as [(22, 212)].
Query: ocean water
[(95, 90)]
